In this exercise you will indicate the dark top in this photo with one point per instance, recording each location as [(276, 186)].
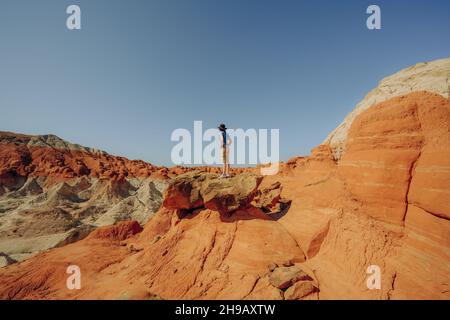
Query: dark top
[(224, 138)]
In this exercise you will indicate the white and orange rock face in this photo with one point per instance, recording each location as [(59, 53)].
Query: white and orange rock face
[(310, 232), (384, 203), (432, 77)]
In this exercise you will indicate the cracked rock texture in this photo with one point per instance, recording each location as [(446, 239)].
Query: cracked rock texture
[(199, 189)]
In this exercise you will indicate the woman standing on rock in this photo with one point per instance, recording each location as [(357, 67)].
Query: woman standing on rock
[(225, 142)]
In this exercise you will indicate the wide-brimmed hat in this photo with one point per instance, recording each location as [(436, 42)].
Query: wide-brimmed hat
[(222, 127)]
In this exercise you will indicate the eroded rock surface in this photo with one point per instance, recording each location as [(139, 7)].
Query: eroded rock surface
[(284, 277), (53, 192), (199, 189), (433, 77)]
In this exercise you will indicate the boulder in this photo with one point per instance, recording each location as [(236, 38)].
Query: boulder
[(269, 197), (227, 195), (284, 277), (200, 189), (184, 191), (5, 260), (299, 290)]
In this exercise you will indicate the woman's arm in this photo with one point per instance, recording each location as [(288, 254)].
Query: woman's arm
[(229, 141)]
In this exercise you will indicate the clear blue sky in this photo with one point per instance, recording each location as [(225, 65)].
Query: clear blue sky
[(140, 69)]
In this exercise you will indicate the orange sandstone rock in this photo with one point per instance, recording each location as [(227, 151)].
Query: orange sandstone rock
[(384, 203)]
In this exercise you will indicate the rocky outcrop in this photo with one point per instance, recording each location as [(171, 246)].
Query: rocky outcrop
[(300, 290), (205, 255), (53, 192), (5, 260), (432, 76), (364, 210), (397, 153), (199, 189), (284, 277), (270, 201)]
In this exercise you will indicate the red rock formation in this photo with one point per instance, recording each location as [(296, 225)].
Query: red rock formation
[(49, 156), (398, 154), (385, 203), (59, 160), (121, 231)]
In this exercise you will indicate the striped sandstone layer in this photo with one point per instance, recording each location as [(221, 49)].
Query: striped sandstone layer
[(431, 76)]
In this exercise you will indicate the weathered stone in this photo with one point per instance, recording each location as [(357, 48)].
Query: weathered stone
[(284, 277), (299, 290), (269, 199), (184, 191), (197, 189), (5, 260), (227, 195)]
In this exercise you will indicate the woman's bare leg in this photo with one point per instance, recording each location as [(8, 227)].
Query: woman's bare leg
[(224, 166), (227, 166)]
